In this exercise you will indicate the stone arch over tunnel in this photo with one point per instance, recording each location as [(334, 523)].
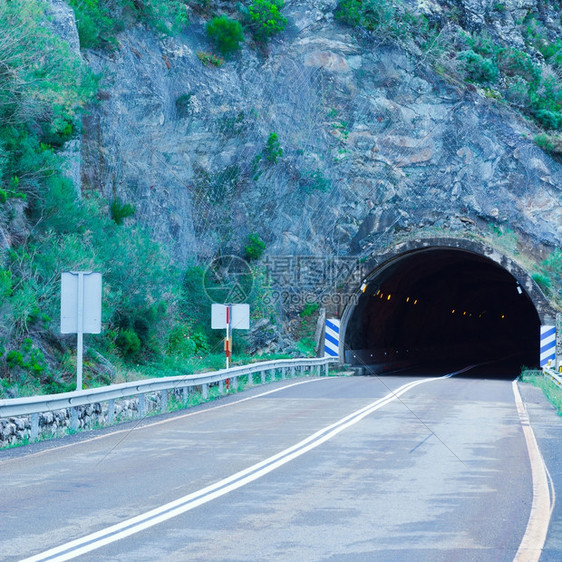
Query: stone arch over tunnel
[(438, 301)]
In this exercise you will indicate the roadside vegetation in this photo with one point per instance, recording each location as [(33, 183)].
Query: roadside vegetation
[(552, 391), (155, 314)]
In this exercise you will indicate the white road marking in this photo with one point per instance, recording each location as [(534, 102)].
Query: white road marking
[(186, 503), (534, 538)]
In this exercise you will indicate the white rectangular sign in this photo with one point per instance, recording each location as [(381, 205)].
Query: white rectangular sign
[(80, 306), (240, 316)]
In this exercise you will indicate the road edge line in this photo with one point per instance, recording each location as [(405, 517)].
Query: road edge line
[(532, 543)]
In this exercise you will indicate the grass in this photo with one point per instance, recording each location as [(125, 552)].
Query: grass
[(550, 389)]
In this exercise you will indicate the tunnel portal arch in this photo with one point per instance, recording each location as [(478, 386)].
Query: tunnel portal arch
[(446, 299)]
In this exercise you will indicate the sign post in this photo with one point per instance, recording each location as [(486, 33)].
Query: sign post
[(80, 310), (230, 317)]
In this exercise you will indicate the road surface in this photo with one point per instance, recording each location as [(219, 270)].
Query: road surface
[(308, 469)]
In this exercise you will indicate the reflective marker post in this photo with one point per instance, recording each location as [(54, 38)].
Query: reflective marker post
[(227, 341), (230, 317)]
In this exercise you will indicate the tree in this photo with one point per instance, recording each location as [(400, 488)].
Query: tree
[(266, 19), (226, 33)]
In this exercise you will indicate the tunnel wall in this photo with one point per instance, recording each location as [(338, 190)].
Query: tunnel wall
[(376, 264)]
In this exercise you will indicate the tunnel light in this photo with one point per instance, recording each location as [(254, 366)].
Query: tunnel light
[(464, 313), (453, 311), (363, 287), (503, 316), (388, 298), (407, 299), (416, 301)]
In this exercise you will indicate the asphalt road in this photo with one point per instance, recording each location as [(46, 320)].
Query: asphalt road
[(441, 473)]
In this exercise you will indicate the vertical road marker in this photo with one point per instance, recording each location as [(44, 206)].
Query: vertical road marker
[(332, 338), (548, 345)]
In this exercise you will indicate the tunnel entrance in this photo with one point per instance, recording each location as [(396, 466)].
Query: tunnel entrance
[(442, 307)]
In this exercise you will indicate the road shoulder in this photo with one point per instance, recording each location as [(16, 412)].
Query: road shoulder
[(547, 425)]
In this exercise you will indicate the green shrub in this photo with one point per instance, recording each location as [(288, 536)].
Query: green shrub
[(179, 342), (254, 248), (309, 309), (316, 180), (226, 33), (476, 68), (542, 281), (373, 15), (129, 344), (96, 27), (483, 44), (120, 211), (273, 149), (98, 21), (549, 119), (14, 359), (516, 63), (183, 104), (266, 19), (201, 341)]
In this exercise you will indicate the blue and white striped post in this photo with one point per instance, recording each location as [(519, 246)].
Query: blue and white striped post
[(332, 338), (548, 345)]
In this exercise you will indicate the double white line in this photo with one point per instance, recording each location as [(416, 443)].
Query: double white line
[(167, 511), (529, 550)]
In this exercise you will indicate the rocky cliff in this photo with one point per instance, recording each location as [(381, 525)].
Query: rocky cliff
[(375, 142)]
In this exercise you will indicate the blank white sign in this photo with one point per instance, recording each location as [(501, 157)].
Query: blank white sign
[(90, 305), (240, 316)]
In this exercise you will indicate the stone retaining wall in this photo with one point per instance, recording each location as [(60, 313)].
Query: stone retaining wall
[(93, 416)]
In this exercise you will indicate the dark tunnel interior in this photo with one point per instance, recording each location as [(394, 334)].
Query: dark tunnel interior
[(443, 307)]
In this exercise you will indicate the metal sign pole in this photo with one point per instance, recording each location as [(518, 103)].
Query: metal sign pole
[(80, 331), (558, 358)]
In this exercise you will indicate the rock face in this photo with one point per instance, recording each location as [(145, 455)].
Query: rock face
[(373, 141)]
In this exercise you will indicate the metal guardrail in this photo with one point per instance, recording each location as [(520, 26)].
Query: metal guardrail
[(19, 407), (552, 375)]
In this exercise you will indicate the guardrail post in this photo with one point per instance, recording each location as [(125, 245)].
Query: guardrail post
[(110, 411), (205, 391), (221, 387), (250, 379), (185, 391), (163, 400), (282, 372), (234, 384), (326, 369), (142, 405), (74, 418), (34, 435), (262, 374)]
